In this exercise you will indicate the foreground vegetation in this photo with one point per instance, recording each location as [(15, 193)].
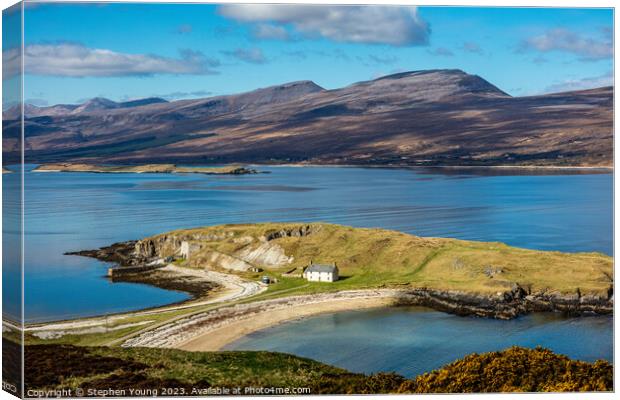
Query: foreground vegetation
[(515, 369), (146, 168)]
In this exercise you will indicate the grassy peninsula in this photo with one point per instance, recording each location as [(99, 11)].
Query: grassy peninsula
[(378, 258), (377, 268), (145, 168)]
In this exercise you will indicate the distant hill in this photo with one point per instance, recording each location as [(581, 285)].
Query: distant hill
[(97, 103), (141, 102), (434, 117)]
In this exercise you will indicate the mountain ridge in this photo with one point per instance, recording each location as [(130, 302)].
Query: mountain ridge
[(102, 103), (429, 117), (96, 103)]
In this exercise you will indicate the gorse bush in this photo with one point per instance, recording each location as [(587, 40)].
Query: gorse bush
[(515, 370)]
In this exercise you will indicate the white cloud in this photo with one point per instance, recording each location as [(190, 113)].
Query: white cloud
[(175, 95), (441, 51), (581, 84), (562, 39), (540, 60), (472, 47), (386, 60), (269, 31), (75, 60), (252, 55), (11, 63), (396, 26), (184, 29), (296, 54), (37, 102)]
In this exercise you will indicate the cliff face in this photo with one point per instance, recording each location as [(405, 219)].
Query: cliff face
[(412, 118), (206, 249)]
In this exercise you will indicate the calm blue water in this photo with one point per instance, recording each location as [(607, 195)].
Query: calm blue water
[(414, 340), (76, 211)]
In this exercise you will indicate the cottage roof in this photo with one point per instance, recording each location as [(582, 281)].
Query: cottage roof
[(321, 268)]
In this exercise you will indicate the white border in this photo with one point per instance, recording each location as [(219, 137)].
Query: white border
[(489, 3)]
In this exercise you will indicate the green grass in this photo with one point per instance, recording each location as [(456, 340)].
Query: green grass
[(370, 258), (66, 366)]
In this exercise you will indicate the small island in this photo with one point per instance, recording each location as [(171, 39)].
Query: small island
[(143, 169)]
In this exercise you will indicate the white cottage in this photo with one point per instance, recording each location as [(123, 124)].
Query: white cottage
[(321, 273)]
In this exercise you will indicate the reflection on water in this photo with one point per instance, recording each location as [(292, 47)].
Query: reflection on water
[(76, 211), (265, 188), (414, 340), (508, 171)]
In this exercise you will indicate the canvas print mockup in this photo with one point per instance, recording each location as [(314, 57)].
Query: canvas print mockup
[(298, 199)]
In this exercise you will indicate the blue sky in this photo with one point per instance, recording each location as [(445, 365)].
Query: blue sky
[(128, 51)]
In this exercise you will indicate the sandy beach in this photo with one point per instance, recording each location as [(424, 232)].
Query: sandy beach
[(218, 338)]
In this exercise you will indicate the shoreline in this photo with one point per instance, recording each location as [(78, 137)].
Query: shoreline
[(217, 339), (231, 288), (214, 329), (230, 169), (447, 166), (607, 168)]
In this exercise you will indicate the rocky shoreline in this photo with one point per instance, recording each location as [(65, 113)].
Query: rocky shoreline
[(123, 254), (507, 305)]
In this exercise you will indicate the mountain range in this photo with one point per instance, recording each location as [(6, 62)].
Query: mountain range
[(433, 117)]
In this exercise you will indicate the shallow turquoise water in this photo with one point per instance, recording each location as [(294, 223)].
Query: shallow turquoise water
[(76, 211), (414, 340)]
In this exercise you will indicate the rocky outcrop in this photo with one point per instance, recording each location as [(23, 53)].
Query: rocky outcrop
[(158, 246), (122, 253), (506, 305), (262, 252), (170, 244), (301, 231), (268, 254), (252, 252), (225, 261)]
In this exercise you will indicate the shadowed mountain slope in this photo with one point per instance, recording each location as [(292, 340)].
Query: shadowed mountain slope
[(424, 117)]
